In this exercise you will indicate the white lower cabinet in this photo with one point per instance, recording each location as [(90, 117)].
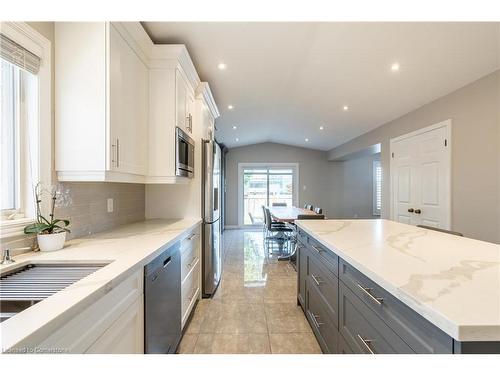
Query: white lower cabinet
[(112, 324), (126, 335), (190, 273)]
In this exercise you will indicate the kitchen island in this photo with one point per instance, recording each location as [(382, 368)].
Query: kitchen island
[(378, 286)]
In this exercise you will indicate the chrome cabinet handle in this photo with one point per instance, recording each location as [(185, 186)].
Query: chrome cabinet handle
[(117, 153), (317, 249), (368, 292), (192, 236), (317, 280), (193, 261), (366, 343), (315, 320)]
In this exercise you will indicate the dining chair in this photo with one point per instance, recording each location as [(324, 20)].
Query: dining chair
[(318, 210), (279, 232), (308, 206), (279, 204)]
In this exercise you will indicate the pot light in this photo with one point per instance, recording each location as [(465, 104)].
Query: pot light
[(221, 66), (307, 139), (230, 107), (235, 127), (345, 108), (237, 139), (395, 67), (321, 127)]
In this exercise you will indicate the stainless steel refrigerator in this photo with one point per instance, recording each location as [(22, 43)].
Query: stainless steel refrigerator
[(211, 193)]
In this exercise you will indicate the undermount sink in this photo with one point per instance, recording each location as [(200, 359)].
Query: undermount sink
[(26, 285)]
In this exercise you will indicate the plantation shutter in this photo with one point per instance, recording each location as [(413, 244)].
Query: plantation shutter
[(18, 55)]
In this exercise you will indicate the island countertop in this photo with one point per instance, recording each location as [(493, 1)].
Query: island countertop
[(452, 281), (124, 250)]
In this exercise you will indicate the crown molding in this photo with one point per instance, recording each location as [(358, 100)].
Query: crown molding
[(203, 92)]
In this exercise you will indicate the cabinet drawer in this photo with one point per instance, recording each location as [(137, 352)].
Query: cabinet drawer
[(363, 330), (327, 286), (421, 335), (320, 320), (190, 290), (189, 258), (302, 236), (325, 256), (302, 275), (191, 240), (344, 348)]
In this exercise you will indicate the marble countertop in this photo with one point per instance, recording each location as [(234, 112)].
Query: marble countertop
[(126, 249), (454, 282)]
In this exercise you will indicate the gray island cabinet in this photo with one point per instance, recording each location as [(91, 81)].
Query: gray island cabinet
[(349, 313)]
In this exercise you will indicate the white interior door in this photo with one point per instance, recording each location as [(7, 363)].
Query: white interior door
[(420, 177)]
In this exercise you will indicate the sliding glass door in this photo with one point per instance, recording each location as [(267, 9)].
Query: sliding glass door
[(263, 186)]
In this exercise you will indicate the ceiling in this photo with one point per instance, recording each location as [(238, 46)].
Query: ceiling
[(285, 80)]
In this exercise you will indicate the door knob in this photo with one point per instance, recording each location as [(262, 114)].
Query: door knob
[(410, 210), (417, 211)]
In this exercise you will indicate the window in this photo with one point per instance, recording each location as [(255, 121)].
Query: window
[(264, 185), (377, 187), (25, 128)]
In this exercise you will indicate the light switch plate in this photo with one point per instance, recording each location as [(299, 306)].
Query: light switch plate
[(110, 205)]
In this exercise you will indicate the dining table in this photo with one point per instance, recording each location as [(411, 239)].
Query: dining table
[(289, 214)]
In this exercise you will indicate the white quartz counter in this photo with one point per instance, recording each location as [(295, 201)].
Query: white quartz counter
[(453, 282), (125, 248)]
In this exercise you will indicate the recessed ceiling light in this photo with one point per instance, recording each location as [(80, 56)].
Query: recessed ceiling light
[(307, 139), (235, 127), (230, 107), (345, 108), (222, 66), (237, 139), (321, 127), (395, 67)]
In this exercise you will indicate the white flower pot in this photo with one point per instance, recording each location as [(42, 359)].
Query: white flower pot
[(51, 242)]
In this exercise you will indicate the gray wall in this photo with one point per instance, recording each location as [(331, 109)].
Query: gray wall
[(356, 193), (315, 173), (475, 114)]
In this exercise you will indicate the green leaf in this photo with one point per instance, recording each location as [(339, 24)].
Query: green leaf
[(61, 228), (66, 222), (35, 228)]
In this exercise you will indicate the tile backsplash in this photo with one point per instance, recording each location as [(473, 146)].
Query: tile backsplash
[(87, 210)]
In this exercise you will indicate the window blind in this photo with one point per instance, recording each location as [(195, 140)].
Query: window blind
[(18, 55), (377, 187)]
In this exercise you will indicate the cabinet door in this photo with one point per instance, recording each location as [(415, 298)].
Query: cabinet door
[(128, 102), (181, 102), (126, 334), (190, 111)]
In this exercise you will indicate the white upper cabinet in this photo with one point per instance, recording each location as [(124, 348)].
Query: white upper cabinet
[(101, 104), (119, 99), (173, 80)]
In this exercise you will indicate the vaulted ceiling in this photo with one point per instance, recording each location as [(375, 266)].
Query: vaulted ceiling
[(286, 80)]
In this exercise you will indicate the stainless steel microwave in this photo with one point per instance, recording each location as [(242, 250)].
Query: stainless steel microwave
[(184, 154)]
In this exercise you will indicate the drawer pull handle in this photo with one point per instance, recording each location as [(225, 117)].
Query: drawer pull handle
[(317, 249), (190, 264), (366, 344), (317, 280), (191, 236), (368, 292), (315, 320)]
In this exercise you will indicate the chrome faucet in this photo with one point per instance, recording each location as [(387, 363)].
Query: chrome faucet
[(7, 259)]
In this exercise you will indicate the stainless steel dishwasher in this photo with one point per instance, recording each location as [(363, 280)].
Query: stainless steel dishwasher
[(162, 302)]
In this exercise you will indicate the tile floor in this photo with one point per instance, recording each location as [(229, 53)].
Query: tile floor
[(254, 310)]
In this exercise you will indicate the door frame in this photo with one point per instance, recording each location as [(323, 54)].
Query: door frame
[(242, 166), (443, 124)]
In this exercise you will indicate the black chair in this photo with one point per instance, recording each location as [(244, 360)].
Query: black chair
[(318, 210), (279, 232), (441, 230), (293, 240), (271, 222), (279, 204), (308, 206)]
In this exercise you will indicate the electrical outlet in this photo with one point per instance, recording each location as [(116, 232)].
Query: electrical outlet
[(110, 205)]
